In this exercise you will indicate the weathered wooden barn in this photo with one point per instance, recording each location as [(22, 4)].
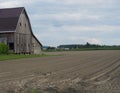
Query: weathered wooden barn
[(16, 31)]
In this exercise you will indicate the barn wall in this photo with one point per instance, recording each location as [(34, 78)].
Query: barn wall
[(24, 38), (23, 35), (36, 46)]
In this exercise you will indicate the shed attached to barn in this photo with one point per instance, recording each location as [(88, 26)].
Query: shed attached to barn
[(16, 31)]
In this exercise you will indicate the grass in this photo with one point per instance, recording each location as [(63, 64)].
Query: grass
[(21, 56), (34, 91)]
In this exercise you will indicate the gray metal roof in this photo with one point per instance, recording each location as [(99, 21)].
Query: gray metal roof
[(9, 18)]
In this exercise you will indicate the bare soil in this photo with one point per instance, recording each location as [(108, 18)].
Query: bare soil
[(70, 72)]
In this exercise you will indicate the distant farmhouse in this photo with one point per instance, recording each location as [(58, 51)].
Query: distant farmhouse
[(16, 31)]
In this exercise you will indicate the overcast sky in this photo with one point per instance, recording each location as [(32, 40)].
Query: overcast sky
[(56, 22)]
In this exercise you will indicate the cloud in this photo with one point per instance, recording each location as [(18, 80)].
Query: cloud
[(51, 35), (16, 3), (67, 16), (94, 41), (83, 1), (66, 19), (8, 4), (99, 28), (57, 22), (79, 40)]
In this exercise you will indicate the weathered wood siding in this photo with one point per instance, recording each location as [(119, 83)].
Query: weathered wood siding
[(23, 35), (24, 38), (36, 46)]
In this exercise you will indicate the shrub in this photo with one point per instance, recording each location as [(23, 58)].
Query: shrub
[(3, 48)]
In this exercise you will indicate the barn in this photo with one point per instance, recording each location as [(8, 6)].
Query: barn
[(16, 31)]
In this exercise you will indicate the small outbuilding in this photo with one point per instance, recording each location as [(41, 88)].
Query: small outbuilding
[(16, 31)]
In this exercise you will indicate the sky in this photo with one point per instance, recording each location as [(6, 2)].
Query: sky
[(57, 22)]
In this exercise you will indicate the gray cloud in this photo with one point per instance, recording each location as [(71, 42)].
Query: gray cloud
[(57, 22)]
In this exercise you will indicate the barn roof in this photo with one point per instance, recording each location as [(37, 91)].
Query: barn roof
[(9, 18)]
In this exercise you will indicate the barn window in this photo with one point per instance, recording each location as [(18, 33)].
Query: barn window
[(20, 24)]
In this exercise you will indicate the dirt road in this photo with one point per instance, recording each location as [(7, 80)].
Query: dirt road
[(71, 72)]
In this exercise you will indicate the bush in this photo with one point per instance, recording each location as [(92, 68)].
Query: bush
[(3, 48)]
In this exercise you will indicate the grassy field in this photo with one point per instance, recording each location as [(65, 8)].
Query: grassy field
[(15, 56)]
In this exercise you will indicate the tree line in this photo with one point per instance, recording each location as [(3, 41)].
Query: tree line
[(78, 47), (89, 46)]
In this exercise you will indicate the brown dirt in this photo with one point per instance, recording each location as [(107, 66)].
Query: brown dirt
[(71, 72)]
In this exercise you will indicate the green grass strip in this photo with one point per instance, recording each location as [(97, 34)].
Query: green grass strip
[(21, 56)]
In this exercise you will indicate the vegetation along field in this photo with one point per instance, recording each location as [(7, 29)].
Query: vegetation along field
[(70, 72)]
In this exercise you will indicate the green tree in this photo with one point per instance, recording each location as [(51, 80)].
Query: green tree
[(4, 48), (88, 44)]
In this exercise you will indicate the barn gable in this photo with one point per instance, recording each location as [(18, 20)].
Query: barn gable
[(16, 31)]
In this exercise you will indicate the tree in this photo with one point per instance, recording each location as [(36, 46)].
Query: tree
[(88, 44), (3, 48)]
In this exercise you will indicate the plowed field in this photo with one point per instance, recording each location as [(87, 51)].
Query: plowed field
[(70, 72)]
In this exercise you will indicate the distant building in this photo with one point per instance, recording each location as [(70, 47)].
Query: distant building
[(68, 47), (16, 31)]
